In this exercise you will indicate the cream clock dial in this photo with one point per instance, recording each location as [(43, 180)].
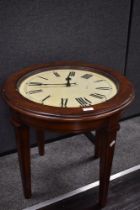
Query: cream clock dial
[(67, 88)]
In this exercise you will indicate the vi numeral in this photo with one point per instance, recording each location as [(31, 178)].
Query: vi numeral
[(64, 102)]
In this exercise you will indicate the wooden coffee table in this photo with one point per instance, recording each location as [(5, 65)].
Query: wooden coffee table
[(67, 97)]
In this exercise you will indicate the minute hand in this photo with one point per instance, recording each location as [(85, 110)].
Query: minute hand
[(40, 84)]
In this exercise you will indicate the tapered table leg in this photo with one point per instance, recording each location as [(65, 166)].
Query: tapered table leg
[(40, 135), (23, 148), (107, 145), (98, 140)]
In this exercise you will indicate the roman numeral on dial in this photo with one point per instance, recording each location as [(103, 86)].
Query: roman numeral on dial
[(100, 80), (87, 76), (34, 91), (72, 74), (104, 88), (34, 83), (56, 74), (83, 101), (97, 95), (44, 99), (42, 77), (64, 102)]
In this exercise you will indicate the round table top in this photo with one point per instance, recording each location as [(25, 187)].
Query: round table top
[(21, 105)]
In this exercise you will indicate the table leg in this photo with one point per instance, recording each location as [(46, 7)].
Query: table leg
[(107, 145), (40, 134), (23, 148), (98, 138)]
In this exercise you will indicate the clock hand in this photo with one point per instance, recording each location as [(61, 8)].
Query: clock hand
[(68, 78), (68, 84), (40, 84)]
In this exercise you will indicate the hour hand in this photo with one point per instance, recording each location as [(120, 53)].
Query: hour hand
[(68, 78), (68, 84)]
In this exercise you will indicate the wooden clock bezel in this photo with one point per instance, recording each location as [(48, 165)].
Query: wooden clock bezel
[(19, 103)]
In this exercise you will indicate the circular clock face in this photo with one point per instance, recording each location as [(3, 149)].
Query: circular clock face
[(67, 88)]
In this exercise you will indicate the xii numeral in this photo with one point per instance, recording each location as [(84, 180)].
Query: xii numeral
[(72, 74)]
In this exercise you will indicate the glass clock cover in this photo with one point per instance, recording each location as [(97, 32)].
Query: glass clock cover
[(67, 88)]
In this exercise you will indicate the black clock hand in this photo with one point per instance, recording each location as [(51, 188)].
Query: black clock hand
[(68, 78), (40, 84), (68, 75), (68, 84)]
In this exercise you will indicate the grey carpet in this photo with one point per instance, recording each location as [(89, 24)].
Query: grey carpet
[(67, 165)]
